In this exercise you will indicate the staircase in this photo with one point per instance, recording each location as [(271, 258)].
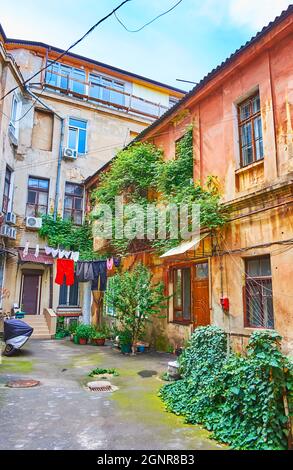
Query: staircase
[(40, 326)]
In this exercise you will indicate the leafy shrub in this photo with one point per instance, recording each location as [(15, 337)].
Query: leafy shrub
[(239, 398), (84, 331)]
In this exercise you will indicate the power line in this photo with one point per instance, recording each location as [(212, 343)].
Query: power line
[(67, 50), (149, 22)]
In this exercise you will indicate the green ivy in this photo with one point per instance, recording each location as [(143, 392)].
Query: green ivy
[(238, 398), (64, 234), (140, 174)]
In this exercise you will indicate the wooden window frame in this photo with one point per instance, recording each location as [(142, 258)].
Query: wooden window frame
[(241, 123), (7, 194), (258, 280), (74, 197), (181, 320), (38, 191)]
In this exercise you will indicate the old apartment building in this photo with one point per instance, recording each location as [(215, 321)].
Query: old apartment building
[(239, 278), (66, 123)]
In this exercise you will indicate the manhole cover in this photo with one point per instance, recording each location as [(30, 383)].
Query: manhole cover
[(147, 373), (101, 386), (23, 384)]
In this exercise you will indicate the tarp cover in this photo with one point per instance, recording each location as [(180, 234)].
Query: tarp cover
[(14, 328)]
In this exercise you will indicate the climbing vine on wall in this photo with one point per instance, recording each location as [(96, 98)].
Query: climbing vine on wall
[(241, 399), (64, 234), (140, 174)]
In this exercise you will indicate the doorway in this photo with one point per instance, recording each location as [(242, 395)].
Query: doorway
[(201, 296), (31, 292)]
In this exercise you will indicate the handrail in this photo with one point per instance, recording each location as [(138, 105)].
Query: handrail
[(87, 96)]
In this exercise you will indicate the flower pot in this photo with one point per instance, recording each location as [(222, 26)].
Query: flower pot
[(75, 339), (82, 341), (126, 348), (99, 341)]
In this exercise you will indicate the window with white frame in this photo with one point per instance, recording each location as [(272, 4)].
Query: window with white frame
[(64, 77), (77, 135), (15, 115), (106, 89)]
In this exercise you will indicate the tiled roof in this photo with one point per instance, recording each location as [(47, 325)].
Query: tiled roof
[(30, 258)]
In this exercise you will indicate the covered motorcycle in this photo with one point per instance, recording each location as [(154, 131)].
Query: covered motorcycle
[(16, 334)]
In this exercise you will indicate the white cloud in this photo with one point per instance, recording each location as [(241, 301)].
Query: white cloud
[(255, 13), (252, 14)]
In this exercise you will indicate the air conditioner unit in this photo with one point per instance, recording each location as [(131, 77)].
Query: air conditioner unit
[(10, 218), (12, 233), (69, 154), (34, 223), (5, 231)]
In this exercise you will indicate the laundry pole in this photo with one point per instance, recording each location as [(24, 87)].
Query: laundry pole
[(86, 305)]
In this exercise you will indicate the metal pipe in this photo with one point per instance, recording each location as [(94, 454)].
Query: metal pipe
[(58, 178)]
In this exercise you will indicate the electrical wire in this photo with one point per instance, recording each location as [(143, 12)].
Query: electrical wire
[(149, 22), (67, 50)]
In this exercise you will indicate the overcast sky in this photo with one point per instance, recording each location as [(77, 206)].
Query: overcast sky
[(187, 43)]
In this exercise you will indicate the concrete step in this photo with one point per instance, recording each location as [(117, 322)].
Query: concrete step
[(39, 324)]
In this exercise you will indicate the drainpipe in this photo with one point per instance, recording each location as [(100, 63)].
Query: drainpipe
[(58, 177)]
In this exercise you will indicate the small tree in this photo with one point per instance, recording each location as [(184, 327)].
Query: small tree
[(136, 300)]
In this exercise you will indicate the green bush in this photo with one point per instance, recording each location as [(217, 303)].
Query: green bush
[(238, 398), (84, 331)]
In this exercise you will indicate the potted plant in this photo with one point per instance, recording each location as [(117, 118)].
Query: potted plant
[(125, 341), (98, 338), (83, 332), (137, 301)]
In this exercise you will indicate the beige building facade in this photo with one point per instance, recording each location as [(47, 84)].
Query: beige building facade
[(69, 121)]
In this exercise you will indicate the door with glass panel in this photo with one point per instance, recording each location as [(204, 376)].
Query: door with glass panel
[(201, 302)]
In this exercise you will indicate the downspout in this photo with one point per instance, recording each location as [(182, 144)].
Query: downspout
[(58, 177)]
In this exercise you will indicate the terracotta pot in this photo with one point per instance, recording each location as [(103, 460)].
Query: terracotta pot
[(99, 341), (82, 341)]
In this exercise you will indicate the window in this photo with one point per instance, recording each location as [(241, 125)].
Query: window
[(100, 89), (38, 197), (6, 205), (77, 135), (15, 115), (250, 131), (73, 203), (66, 78), (182, 295), (258, 293), (172, 101), (68, 296)]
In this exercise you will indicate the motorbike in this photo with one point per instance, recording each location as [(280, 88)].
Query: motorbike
[(16, 334)]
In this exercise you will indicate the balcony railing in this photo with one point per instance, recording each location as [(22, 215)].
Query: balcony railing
[(103, 95)]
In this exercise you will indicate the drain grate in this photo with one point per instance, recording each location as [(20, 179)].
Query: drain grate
[(101, 386), (23, 384), (147, 373)]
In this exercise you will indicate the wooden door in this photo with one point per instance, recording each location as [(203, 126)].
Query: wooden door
[(201, 301), (30, 293)]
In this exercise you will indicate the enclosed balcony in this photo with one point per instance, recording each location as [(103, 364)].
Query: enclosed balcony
[(100, 90)]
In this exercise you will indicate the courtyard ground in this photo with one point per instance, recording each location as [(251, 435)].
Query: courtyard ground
[(61, 414)]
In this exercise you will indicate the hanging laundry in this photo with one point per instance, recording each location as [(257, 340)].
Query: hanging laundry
[(117, 262), (84, 271), (65, 268), (48, 250), (37, 252), (55, 253), (100, 276), (110, 264), (25, 251), (67, 254), (75, 256), (61, 254)]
